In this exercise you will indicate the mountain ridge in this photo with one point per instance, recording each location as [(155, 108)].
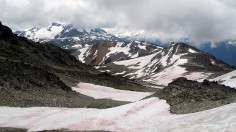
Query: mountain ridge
[(67, 35), (181, 58), (70, 37)]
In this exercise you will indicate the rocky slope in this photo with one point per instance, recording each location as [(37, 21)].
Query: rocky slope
[(33, 74), (157, 66), (187, 96)]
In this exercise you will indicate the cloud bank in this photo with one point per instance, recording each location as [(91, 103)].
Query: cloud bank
[(200, 20)]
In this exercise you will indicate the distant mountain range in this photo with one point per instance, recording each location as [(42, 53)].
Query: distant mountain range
[(68, 36), (225, 51), (139, 60)]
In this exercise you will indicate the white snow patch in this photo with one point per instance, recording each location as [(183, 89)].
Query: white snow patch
[(82, 53), (120, 73), (137, 63), (103, 92), (118, 48), (169, 74), (164, 58), (174, 58), (142, 47), (77, 46), (45, 33), (197, 76), (228, 79), (192, 51), (212, 61)]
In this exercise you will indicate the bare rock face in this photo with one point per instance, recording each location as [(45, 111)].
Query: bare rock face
[(98, 52)]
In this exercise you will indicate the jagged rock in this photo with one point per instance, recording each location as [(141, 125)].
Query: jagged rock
[(6, 34), (206, 82), (187, 96)]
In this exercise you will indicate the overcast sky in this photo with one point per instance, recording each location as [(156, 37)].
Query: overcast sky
[(200, 20)]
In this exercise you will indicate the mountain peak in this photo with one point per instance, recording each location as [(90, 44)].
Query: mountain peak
[(98, 30), (56, 24), (7, 34)]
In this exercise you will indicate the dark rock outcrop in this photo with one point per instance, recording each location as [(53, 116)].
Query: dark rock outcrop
[(6, 34), (186, 96)]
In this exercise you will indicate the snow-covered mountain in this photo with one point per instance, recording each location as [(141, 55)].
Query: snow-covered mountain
[(104, 53), (67, 35), (157, 65), (138, 60)]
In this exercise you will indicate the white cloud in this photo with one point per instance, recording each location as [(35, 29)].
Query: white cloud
[(200, 20)]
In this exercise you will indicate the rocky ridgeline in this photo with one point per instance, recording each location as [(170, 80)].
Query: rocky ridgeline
[(186, 96), (6, 34)]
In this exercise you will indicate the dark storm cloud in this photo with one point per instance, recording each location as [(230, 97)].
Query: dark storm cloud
[(200, 20)]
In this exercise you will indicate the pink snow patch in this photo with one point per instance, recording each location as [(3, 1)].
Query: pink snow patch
[(168, 75), (123, 118), (103, 92), (197, 75), (146, 115)]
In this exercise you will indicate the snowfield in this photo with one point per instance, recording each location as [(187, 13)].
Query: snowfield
[(228, 79), (43, 33), (138, 62), (146, 115), (144, 68), (103, 92)]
